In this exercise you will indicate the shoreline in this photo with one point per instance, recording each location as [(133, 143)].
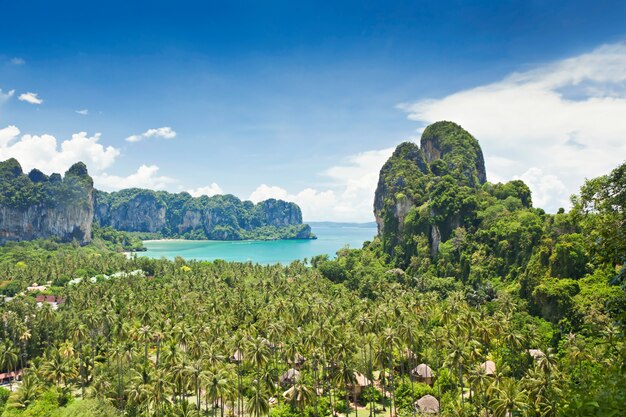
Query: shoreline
[(222, 240), (166, 240)]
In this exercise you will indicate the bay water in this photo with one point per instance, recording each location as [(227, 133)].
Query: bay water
[(330, 238)]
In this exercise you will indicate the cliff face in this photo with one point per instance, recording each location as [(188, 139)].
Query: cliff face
[(142, 213), (278, 213), (222, 217), (459, 151), (37, 206), (401, 173), (423, 191)]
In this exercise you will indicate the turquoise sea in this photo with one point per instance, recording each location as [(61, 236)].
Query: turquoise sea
[(330, 238)]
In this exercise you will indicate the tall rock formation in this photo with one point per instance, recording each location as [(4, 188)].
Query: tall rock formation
[(426, 191), (220, 217), (139, 212), (36, 206)]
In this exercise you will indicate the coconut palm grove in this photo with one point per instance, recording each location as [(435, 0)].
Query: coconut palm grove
[(470, 301)]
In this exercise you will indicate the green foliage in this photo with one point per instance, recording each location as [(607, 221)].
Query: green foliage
[(220, 217), (450, 143), (513, 189), (11, 288), (116, 240), (554, 297), (369, 395), (19, 191), (332, 270), (284, 410), (88, 408), (569, 258), (403, 396), (4, 396)]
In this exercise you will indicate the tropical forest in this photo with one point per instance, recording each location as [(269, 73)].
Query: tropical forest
[(469, 301)]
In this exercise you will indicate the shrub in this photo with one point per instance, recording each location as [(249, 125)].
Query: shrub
[(370, 394), (4, 396), (88, 408), (403, 396)]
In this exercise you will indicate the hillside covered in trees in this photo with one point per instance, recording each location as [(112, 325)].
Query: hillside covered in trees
[(470, 302)]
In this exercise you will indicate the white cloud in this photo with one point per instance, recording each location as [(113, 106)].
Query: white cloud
[(315, 205), (209, 190), (83, 112), (45, 153), (165, 132), (6, 96), (7, 134), (146, 176), (18, 61), (31, 98), (349, 195), (553, 125), (547, 188)]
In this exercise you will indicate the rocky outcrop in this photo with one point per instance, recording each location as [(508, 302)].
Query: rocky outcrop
[(40, 207), (37, 206), (220, 217), (406, 165), (460, 151), (421, 190), (143, 212), (278, 213)]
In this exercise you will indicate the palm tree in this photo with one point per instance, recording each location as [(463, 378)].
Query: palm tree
[(257, 404), (8, 359), (58, 367), (79, 334), (300, 394), (29, 391), (195, 370), (258, 356), (216, 385), (508, 398), (389, 341), (479, 382), (158, 391), (456, 358), (138, 391)]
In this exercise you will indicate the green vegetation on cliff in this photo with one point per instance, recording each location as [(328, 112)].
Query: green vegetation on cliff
[(439, 219), (37, 206), (220, 217), (20, 191)]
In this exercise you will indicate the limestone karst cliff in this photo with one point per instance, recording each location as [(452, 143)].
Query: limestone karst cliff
[(39, 206), (423, 192), (220, 217)]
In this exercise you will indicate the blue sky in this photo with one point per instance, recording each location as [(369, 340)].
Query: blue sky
[(305, 101)]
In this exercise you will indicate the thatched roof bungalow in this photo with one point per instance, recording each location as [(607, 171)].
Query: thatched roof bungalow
[(237, 356), (289, 377), (489, 367), (296, 361), (360, 382), (427, 405), (423, 373)]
